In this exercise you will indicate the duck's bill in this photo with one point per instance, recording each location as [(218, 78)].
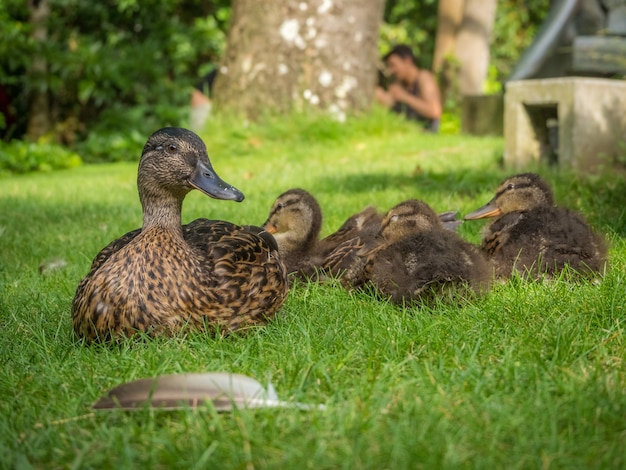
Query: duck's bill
[(205, 179), (488, 210), (449, 221), (270, 228)]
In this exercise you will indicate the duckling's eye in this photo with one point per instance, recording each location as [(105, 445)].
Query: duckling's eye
[(394, 219), (510, 186), (280, 205), (172, 148)]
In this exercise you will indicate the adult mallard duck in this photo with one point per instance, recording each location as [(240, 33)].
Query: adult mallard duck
[(414, 257), (165, 277), (533, 236), (295, 220)]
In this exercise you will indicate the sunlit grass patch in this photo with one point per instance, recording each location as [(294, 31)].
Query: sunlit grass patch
[(530, 375)]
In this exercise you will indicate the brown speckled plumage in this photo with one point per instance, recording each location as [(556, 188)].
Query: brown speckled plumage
[(534, 237), (165, 277), (415, 258), (345, 260)]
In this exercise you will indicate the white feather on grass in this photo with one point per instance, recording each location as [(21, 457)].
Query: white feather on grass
[(224, 389)]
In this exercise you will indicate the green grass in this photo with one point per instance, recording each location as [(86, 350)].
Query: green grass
[(530, 376)]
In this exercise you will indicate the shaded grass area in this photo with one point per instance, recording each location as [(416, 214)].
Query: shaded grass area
[(531, 375)]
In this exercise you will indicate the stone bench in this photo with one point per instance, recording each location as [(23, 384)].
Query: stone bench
[(574, 122)]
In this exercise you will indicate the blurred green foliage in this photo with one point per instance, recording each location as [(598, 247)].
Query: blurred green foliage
[(22, 157), (109, 56), (119, 69), (516, 24)]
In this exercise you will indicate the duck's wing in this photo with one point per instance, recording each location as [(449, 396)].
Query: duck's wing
[(112, 248), (498, 235), (203, 231), (240, 265), (571, 241), (545, 240), (363, 224), (515, 241), (351, 260), (219, 240)]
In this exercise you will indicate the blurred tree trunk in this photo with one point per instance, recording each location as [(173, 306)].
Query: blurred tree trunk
[(286, 55), (472, 44), (462, 45), (39, 107), (449, 17), (445, 64)]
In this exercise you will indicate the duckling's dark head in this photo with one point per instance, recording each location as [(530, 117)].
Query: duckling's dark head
[(295, 219), (408, 217), (174, 161), (517, 193)]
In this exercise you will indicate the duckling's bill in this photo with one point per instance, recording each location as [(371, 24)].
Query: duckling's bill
[(270, 228), (488, 210), (205, 179)]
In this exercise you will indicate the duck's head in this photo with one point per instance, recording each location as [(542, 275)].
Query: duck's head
[(295, 220), (407, 218), (173, 162), (517, 193)]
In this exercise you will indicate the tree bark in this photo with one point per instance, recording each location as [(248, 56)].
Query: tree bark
[(445, 64), (472, 44), (449, 18), (289, 55), (39, 106)]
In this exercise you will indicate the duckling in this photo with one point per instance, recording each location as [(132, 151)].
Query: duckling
[(414, 257), (534, 237), (345, 260), (207, 275), (295, 221)]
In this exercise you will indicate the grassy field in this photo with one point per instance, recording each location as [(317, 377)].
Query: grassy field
[(530, 376)]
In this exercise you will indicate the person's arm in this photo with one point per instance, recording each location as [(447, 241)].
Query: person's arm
[(198, 98), (428, 104), (384, 97)]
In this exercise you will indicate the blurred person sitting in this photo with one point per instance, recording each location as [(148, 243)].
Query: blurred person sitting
[(201, 101), (413, 92)]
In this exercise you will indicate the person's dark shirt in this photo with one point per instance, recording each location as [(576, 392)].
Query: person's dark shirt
[(412, 115), (205, 85)]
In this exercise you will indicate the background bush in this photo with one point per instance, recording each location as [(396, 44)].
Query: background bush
[(22, 157), (119, 69), (105, 58)]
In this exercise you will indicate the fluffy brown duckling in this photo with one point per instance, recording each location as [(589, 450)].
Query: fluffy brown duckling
[(165, 277), (295, 220), (345, 260), (415, 258), (533, 236)]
